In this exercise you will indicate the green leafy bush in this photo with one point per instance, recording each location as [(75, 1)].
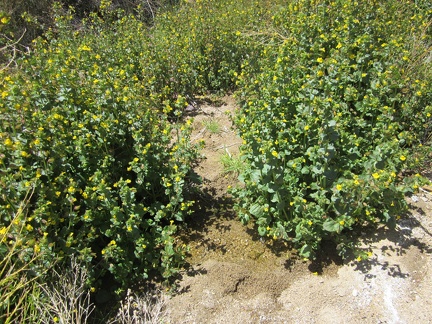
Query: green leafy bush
[(342, 99), (87, 123), (335, 104), (107, 168), (200, 47)]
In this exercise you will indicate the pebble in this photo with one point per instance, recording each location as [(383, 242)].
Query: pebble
[(414, 198), (355, 293)]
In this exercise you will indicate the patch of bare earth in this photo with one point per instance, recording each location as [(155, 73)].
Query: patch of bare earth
[(235, 277)]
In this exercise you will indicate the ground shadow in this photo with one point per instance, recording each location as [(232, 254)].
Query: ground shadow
[(400, 241), (209, 209)]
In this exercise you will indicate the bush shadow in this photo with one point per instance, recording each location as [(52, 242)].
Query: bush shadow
[(397, 242)]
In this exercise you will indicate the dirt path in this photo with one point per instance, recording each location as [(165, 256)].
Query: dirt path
[(235, 277)]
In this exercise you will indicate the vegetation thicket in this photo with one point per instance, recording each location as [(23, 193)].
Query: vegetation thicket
[(339, 108), (335, 106)]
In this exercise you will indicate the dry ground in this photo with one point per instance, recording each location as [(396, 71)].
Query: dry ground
[(236, 277)]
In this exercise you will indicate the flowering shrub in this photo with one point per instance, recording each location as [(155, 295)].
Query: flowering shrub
[(342, 99), (200, 47), (107, 168), (335, 102), (87, 126)]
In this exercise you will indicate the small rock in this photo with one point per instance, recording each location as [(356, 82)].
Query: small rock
[(424, 199), (414, 198), (355, 293)]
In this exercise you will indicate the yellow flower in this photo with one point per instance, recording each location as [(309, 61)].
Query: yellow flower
[(402, 157), (306, 127), (342, 222), (8, 142), (275, 154), (339, 187), (375, 175), (84, 48), (29, 227), (320, 60)]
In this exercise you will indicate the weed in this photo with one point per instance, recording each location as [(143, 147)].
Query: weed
[(212, 126), (232, 164)]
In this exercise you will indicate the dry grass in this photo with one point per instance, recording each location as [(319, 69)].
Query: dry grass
[(148, 308), (16, 284), (68, 298)]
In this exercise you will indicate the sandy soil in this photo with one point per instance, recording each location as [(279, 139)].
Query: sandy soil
[(233, 276)]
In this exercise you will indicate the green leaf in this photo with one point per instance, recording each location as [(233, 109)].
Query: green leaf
[(331, 225), (305, 170), (262, 231), (256, 210), (306, 251), (317, 169), (275, 198), (266, 168)]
